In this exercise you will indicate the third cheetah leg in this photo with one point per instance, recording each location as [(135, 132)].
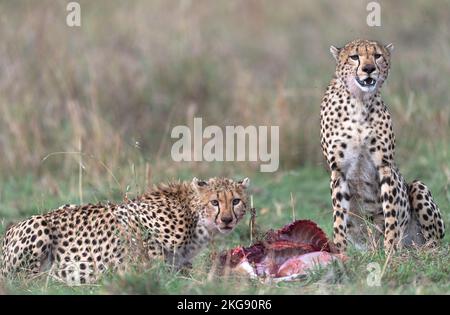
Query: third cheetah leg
[(430, 220), (340, 196), (394, 200), (31, 251)]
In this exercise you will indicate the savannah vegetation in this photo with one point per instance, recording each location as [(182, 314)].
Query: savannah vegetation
[(86, 115)]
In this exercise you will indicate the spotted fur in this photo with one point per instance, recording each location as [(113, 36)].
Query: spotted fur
[(171, 222), (358, 143)]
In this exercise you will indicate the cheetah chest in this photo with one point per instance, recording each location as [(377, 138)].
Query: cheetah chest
[(356, 162), (188, 250)]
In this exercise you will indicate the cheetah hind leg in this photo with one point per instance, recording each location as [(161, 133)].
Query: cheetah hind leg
[(426, 225), (32, 253)]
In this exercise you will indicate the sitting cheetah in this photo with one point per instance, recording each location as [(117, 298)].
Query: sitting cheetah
[(358, 143), (173, 222)]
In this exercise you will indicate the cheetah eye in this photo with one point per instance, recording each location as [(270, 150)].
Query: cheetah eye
[(377, 56), (236, 201), (215, 203), (354, 57)]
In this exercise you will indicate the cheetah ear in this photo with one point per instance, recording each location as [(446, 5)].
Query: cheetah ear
[(389, 47), (244, 183), (335, 52), (198, 184)]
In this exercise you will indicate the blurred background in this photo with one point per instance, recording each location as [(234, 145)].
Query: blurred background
[(115, 87), (86, 115)]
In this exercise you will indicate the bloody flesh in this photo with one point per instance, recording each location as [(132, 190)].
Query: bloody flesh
[(291, 250)]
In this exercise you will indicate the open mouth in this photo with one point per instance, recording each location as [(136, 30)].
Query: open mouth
[(367, 83)]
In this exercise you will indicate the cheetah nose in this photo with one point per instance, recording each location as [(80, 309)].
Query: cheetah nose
[(227, 220), (369, 68)]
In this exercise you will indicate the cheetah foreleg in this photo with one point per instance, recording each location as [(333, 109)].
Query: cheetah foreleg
[(393, 196), (340, 196)]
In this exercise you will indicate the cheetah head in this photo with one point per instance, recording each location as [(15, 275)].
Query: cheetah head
[(223, 201), (362, 65)]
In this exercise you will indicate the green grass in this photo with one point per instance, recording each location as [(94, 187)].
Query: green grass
[(114, 88), (407, 272)]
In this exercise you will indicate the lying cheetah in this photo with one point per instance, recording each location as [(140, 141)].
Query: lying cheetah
[(358, 143), (173, 222)]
